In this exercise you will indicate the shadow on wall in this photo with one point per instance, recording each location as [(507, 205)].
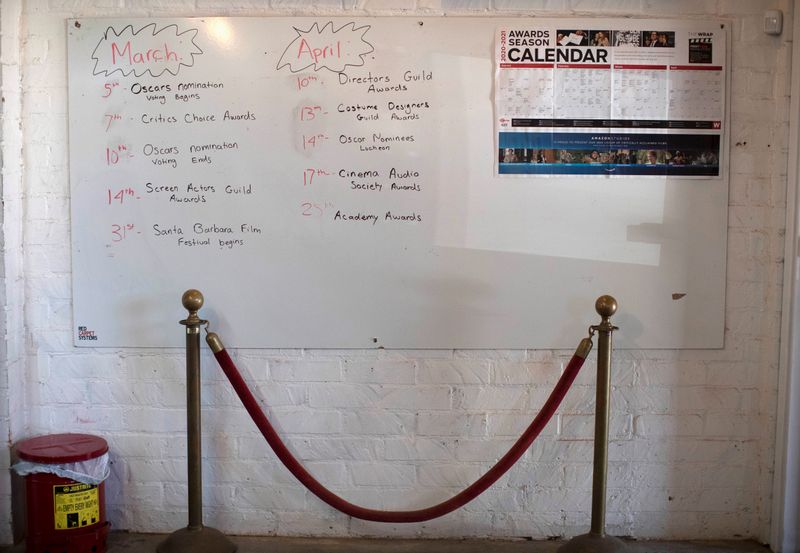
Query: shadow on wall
[(18, 505)]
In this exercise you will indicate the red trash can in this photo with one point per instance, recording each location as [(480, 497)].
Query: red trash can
[(63, 516)]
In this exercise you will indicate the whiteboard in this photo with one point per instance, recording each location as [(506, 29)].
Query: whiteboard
[(333, 183)]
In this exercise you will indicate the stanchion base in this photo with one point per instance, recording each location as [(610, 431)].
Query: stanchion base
[(196, 540), (593, 543)]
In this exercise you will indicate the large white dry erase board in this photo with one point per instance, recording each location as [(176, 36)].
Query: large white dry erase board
[(333, 183)]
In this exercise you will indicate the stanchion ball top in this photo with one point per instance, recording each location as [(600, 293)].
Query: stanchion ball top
[(192, 300), (605, 306)]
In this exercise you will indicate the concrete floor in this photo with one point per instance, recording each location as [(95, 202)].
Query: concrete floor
[(120, 542)]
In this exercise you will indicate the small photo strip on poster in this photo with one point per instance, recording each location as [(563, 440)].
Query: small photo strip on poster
[(701, 47)]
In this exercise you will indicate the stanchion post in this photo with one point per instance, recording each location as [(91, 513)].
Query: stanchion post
[(193, 302), (606, 306), (597, 541), (195, 538)]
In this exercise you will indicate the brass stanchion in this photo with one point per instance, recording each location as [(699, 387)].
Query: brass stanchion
[(596, 541), (195, 538)]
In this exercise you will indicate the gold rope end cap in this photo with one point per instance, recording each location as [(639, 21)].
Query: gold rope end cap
[(214, 342), (584, 348)]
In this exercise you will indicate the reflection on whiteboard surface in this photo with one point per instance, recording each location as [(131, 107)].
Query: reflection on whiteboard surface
[(333, 183)]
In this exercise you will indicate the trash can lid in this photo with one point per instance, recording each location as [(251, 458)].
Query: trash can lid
[(61, 448)]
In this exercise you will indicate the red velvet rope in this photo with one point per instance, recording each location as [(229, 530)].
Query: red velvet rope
[(420, 515)]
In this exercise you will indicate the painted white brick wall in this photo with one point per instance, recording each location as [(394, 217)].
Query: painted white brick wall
[(692, 431), (13, 407)]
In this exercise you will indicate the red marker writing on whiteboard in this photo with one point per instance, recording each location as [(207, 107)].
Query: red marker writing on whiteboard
[(327, 47)]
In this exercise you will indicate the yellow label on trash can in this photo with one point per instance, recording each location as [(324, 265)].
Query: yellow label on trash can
[(75, 506)]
